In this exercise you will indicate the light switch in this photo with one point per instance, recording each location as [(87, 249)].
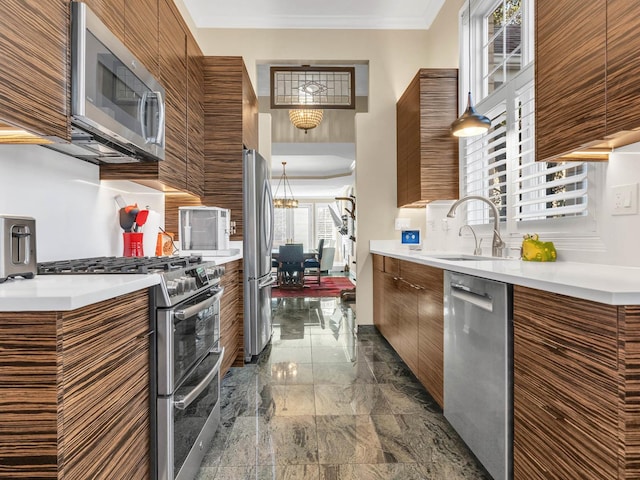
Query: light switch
[(625, 199), (402, 223)]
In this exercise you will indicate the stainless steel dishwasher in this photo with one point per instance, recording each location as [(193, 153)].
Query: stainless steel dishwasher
[(478, 368)]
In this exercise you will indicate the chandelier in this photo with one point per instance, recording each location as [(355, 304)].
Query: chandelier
[(305, 119), (284, 201)]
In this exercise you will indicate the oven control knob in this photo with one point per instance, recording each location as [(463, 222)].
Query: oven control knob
[(172, 288), (183, 285)]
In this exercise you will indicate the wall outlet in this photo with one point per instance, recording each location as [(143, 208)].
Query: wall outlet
[(625, 199)]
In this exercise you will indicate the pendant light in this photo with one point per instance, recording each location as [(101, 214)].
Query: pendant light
[(470, 123), (284, 201)]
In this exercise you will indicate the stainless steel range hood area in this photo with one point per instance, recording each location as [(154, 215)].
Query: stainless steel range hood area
[(96, 149)]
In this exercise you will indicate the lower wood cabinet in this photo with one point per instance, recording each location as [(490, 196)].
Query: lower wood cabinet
[(75, 392), (408, 312), (569, 389), (232, 316)]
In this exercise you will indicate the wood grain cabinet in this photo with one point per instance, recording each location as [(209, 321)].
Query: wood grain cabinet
[(180, 72), (111, 13), (141, 31), (33, 66), (408, 312), (587, 96), (231, 316), (427, 153), (75, 392), (575, 413), (231, 124)]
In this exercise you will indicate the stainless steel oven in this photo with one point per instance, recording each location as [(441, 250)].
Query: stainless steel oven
[(189, 360)]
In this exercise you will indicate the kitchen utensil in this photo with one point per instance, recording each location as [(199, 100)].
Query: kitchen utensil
[(127, 217), (141, 219)]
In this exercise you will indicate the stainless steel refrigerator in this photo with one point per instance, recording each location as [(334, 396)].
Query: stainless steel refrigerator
[(258, 241)]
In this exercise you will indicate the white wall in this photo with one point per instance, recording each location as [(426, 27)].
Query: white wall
[(76, 214)]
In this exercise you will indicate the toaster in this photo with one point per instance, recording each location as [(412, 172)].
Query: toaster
[(17, 247)]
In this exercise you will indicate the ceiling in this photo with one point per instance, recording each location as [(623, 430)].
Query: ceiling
[(333, 14)]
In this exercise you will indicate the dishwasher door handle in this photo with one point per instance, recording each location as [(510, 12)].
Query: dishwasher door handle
[(463, 293)]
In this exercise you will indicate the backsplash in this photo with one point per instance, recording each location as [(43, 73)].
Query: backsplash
[(76, 214)]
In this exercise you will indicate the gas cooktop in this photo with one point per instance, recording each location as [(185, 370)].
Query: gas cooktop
[(118, 265)]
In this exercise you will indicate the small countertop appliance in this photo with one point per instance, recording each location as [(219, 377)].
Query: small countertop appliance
[(205, 231), (17, 247)]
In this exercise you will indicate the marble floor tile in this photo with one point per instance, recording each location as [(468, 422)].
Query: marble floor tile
[(342, 373), (362, 439), (333, 354), (287, 373), (407, 397), (287, 400), (356, 399), (363, 472), (294, 441), (322, 403), (249, 443), (295, 355)]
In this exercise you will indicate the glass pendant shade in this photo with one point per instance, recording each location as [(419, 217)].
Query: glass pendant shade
[(470, 123), (306, 118)]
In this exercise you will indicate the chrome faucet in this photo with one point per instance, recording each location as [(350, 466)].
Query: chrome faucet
[(478, 249), (497, 245)]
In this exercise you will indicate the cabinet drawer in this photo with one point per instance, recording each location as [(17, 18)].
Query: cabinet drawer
[(588, 328), (565, 409)]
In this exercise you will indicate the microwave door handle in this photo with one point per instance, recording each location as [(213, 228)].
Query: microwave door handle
[(194, 309), (185, 401), (142, 111), (161, 119), (142, 115)]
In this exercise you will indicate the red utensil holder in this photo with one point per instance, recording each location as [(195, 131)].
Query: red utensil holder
[(133, 244)]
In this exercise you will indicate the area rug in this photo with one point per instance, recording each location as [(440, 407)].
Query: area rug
[(329, 287)]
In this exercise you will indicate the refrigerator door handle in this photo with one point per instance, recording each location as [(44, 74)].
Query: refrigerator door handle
[(266, 282)]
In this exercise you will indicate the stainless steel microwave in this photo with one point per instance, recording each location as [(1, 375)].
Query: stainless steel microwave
[(117, 106)]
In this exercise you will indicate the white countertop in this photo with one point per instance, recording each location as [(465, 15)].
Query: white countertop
[(67, 292), (610, 284)]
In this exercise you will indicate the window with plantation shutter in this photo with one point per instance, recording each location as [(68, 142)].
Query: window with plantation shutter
[(500, 164), (544, 190), (485, 169)]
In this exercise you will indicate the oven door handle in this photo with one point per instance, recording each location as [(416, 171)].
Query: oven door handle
[(203, 305), (185, 401)]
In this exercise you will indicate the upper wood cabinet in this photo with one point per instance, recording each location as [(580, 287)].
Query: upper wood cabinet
[(231, 123), (570, 82), (112, 14), (427, 153), (141, 32), (173, 75), (180, 71), (623, 66), (195, 118), (33, 66), (587, 96)]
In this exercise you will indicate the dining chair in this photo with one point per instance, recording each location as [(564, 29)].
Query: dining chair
[(291, 266), (312, 265)]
